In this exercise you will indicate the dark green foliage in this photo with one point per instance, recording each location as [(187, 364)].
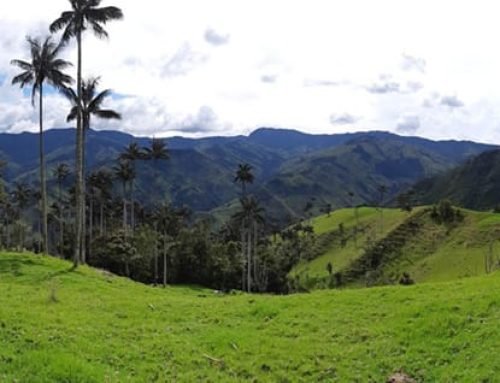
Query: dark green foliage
[(200, 172), (474, 184), (445, 213), (406, 279)]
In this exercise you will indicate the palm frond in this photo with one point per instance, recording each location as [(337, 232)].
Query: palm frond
[(22, 64), (23, 79), (62, 22), (104, 14), (96, 102), (108, 114), (72, 114), (98, 30)]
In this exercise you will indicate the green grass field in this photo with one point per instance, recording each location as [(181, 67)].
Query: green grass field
[(58, 325), (434, 253)]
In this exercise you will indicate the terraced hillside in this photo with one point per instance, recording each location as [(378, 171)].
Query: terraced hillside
[(391, 242), (59, 325)]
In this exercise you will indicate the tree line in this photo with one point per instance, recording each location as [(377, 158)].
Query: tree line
[(92, 215)]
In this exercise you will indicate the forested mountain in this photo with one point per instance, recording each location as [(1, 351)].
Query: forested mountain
[(293, 171), (475, 184)]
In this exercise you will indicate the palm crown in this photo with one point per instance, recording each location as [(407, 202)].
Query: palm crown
[(45, 65), (84, 15), (91, 102)]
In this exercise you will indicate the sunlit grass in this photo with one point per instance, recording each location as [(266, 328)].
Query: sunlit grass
[(87, 326)]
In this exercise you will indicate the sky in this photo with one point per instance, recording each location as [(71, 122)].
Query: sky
[(224, 67)]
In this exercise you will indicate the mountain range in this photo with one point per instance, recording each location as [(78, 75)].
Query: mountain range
[(295, 173)]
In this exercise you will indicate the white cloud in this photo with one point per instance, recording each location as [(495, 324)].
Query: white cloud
[(176, 62), (215, 38)]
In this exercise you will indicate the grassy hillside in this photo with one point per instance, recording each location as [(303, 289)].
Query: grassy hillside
[(88, 326), (409, 242)]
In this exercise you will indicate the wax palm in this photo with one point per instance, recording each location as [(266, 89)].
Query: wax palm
[(157, 151), (132, 153), (91, 103), (91, 106), (45, 67), (249, 217), (244, 176), (125, 173), (21, 195), (84, 14), (61, 172)]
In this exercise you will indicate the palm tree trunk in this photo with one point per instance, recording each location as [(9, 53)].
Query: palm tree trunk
[(43, 186), (124, 206), (91, 225), (243, 257), (132, 208), (61, 222), (249, 259), (79, 158), (165, 261), (101, 223), (156, 255), (254, 258), (84, 211)]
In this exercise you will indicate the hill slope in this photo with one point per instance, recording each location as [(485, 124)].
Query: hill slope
[(407, 242), (87, 326), (474, 184)]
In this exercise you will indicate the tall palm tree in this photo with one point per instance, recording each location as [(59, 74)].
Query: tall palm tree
[(45, 66), (133, 153), (244, 176), (156, 152), (91, 106), (61, 172), (84, 14), (249, 218), (126, 174), (21, 196), (104, 184)]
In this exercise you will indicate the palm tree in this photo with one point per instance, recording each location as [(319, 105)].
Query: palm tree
[(91, 106), (164, 218), (104, 183), (126, 174), (249, 217), (45, 66), (61, 172), (21, 196), (84, 14), (244, 176), (131, 154), (156, 152)]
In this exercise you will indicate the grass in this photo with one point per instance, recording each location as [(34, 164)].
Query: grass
[(341, 256), (59, 325), (435, 253)]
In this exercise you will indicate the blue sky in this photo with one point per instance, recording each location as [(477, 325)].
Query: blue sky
[(222, 67)]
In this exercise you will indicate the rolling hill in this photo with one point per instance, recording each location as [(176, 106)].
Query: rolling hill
[(87, 325), (403, 242)]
